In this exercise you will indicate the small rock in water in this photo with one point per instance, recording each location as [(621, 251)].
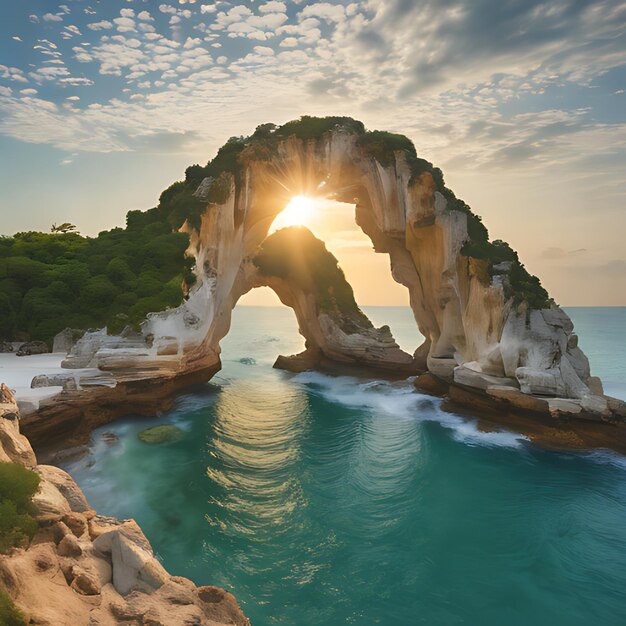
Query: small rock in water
[(161, 434), (247, 360), (110, 437)]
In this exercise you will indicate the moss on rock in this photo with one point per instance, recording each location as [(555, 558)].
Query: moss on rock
[(165, 433)]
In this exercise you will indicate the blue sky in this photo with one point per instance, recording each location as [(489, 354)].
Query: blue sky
[(521, 102)]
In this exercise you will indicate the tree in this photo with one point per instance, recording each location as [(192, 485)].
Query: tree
[(66, 227)]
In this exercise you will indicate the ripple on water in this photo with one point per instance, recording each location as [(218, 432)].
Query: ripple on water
[(325, 500)]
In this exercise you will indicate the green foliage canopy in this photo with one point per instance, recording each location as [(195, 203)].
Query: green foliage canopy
[(49, 281)]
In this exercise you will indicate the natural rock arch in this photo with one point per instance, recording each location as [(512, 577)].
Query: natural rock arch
[(467, 315), (489, 326)]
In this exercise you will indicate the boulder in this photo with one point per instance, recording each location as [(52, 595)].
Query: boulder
[(49, 503), (33, 347), (564, 407), (222, 605), (429, 383), (67, 381), (6, 346), (85, 583), (14, 447), (133, 563), (65, 484), (540, 382), (65, 340), (69, 546), (464, 375)]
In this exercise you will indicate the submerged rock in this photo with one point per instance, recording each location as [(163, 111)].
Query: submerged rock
[(161, 434)]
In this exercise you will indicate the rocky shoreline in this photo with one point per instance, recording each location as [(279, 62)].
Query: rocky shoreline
[(554, 429), (83, 568)]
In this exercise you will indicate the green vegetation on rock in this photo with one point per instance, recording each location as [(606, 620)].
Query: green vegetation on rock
[(17, 487), (161, 434), (49, 281), (180, 204), (10, 615), (295, 254)]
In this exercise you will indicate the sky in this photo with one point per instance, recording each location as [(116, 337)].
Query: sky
[(521, 103)]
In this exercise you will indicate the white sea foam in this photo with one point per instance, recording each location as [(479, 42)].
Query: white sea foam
[(400, 400)]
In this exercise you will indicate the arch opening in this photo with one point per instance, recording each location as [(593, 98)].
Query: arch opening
[(360, 271)]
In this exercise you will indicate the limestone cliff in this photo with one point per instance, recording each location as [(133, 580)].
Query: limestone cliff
[(488, 324), (82, 568)]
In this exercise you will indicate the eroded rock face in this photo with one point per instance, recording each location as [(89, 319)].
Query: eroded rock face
[(306, 277), (82, 568), (484, 320)]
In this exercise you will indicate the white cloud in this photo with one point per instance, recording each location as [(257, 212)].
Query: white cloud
[(127, 13), (53, 17), (166, 8), (273, 6), (289, 42), (12, 73), (125, 24), (103, 25), (73, 29), (325, 11), (208, 8), (145, 16)]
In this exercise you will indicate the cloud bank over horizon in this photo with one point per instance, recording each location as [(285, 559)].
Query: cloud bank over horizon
[(521, 103)]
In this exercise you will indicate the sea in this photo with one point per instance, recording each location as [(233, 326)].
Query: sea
[(325, 500)]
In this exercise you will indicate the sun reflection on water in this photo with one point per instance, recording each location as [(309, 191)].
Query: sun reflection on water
[(256, 442)]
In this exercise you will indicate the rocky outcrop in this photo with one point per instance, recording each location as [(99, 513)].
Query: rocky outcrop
[(486, 321), (65, 340), (33, 347), (306, 277), (82, 568)]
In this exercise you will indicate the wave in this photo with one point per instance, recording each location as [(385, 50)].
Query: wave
[(402, 401)]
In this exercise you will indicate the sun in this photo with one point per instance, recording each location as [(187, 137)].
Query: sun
[(298, 212)]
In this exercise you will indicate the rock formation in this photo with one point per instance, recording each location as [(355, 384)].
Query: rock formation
[(82, 568), (306, 277), (489, 325)]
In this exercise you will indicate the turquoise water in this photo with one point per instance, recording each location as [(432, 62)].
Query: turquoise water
[(326, 501)]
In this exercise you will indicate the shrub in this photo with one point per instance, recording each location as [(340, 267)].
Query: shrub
[(17, 487), (308, 127), (10, 615), (383, 145)]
